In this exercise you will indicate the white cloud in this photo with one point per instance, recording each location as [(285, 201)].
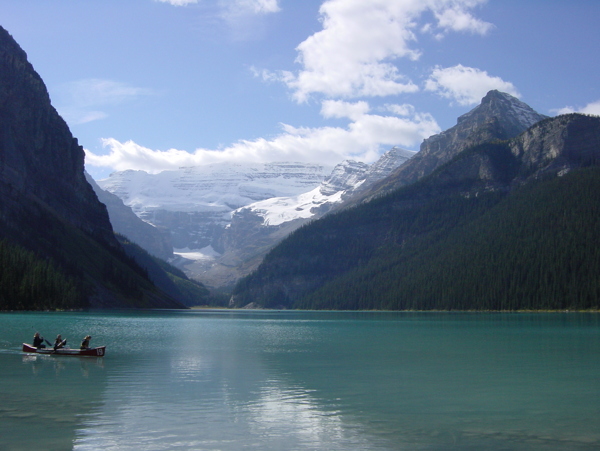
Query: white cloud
[(363, 139), (78, 101), (353, 55), (341, 109), (179, 2), (466, 85), (590, 108), (458, 19)]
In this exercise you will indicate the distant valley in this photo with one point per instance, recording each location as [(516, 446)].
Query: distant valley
[(223, 218)]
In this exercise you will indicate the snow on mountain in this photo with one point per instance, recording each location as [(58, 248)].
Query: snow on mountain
[(278, 210), (346, 178), (388, 162), (195, 203), (223, 218), (206, 253), (218, 187), (346, 175)]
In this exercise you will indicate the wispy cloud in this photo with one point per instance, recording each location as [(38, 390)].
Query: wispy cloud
[(466, 85), (235, 7), (363, 139), (178, 2), (83, 101), (245, 18), (354, 54), (240, 7)]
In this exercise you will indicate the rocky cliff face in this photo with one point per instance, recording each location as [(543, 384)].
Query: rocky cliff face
[(344, 176), (500, 116), (48, 208), (39, 158), (557, 145), (549, 148), (196, 203), (157, 241)]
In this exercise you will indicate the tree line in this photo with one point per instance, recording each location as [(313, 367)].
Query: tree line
[(535, 248), (28, 282)]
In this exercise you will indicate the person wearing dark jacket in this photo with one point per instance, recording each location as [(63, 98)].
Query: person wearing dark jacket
[(85, 344), (38, 342), (59, 342)]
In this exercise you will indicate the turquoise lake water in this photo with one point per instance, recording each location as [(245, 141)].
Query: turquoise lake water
[(270, 380)]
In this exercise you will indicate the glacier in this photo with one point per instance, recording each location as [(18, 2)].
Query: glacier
[(219, 187)]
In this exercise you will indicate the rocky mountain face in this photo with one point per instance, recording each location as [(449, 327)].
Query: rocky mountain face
[(470, 218), (344, 176), (549, 148), (49, 214), (39, 159), (555, 146), (255, 228), (223, 218), (195, 203), (154, 240), (346, 179), (500, 116)]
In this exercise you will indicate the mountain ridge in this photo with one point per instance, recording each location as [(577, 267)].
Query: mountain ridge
[(499, 116), (55, 233), (323, 260)]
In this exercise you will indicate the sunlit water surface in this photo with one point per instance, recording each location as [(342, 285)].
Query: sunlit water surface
[(256, 380)]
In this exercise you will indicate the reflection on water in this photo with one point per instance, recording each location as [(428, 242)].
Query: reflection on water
[(222, 380), (43, 397)]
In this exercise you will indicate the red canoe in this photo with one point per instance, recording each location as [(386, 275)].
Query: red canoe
[(92, 352)]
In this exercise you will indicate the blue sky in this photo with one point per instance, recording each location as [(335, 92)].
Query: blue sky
[(160, 84)]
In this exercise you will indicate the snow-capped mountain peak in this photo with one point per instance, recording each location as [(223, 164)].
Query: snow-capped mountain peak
[(346, 178)]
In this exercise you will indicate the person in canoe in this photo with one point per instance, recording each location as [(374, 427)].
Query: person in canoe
[(38, 341), (59, 342), (85, 344)]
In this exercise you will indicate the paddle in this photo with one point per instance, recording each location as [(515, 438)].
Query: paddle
[(49, 344), (43, 337)]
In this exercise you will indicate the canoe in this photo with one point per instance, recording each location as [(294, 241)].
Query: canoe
[(91, 352)]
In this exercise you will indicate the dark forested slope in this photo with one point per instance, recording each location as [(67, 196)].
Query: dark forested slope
[(502, 225)]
